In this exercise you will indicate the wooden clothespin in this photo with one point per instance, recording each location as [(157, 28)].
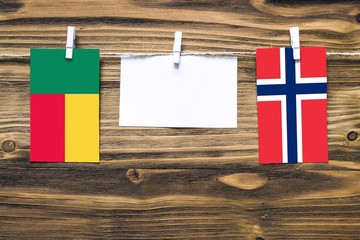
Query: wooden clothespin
[(70, 42), (295, 42), (177, 47)]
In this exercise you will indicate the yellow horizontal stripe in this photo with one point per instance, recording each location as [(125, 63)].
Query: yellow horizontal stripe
[(82, 128)]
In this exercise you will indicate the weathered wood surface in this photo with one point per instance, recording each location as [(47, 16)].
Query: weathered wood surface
[(180, 183)]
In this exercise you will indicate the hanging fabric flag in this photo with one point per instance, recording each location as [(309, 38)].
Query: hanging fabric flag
[(64, 105), (291, 96)]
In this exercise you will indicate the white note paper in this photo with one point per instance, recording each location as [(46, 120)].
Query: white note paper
[(200, 92)]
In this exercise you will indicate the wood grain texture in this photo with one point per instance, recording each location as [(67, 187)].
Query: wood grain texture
[(165, 183)]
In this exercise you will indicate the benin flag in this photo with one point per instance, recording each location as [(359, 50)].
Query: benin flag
[(64, 105)]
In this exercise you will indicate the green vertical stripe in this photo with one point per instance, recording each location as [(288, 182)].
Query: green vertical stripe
[(51, 72)]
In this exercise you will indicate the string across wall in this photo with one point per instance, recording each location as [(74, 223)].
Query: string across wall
[(240, 53)]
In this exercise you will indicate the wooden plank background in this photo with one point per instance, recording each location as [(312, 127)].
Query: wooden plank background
[(180, 183)]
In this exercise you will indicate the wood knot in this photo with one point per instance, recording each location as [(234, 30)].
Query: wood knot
[(135, 176), (245, 181), (259, 238), (352, 136), (358, 18), (8, 146)]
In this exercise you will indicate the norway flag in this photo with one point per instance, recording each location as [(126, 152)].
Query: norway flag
[(292, 103)]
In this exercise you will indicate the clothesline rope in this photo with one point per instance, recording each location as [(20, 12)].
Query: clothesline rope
[(120, 54)]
